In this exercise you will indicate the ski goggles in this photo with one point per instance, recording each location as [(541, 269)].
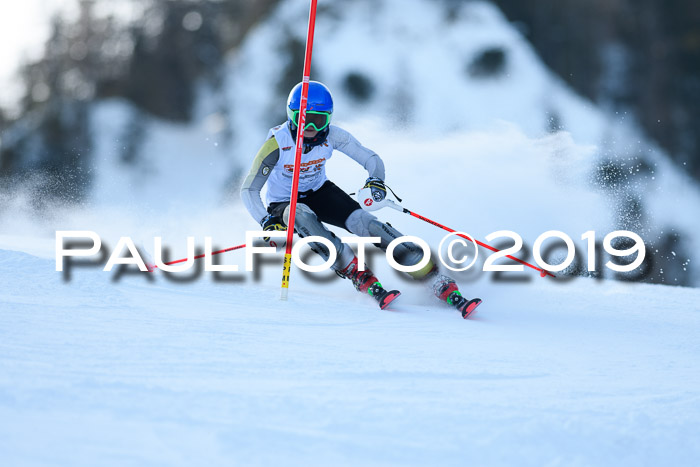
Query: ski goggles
[(314, 120)]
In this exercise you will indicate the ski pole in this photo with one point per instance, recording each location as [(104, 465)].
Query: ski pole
[(237, 247), (398, 207), (287, 264)]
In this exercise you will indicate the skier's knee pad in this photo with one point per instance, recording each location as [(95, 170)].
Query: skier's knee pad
[(303, 215), (358, 222), (406, 253), (306, 224)]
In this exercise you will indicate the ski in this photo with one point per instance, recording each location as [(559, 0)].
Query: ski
[(464, 305), (382, 296)]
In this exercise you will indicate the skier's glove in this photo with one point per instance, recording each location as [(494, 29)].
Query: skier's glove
[(272, 223), (378, 188)]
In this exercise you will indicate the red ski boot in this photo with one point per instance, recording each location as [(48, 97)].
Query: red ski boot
[(446, 290), (366, 282)]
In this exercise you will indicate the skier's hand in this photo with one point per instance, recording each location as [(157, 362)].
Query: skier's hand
[(272, 223), (378, 188)]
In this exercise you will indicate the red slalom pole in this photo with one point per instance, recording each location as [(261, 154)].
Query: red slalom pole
[(542, 272), (237, 247), (287, 265)]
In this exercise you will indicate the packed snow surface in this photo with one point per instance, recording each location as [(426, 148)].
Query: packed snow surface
[(131, 372)]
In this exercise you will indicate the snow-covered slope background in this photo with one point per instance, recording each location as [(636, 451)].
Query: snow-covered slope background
[(129, 370)]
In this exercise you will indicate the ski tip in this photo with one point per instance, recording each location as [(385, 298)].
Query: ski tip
[(470, 307), (388, 298)]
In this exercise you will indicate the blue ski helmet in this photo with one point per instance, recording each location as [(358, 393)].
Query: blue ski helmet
[(319, 108)]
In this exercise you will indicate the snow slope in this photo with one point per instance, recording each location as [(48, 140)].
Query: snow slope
[(133, 373)]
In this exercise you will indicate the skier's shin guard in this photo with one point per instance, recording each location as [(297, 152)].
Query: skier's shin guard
[(407, 253), (307, 224)]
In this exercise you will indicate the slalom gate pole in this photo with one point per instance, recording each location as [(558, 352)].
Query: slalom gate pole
[(237, 247), (542, 272), (287, 265)]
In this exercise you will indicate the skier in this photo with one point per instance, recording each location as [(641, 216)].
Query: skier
[(321, 201)]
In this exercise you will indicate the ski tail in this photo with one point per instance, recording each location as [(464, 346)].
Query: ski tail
[(465, 306), (382, 296), (470, 307)]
